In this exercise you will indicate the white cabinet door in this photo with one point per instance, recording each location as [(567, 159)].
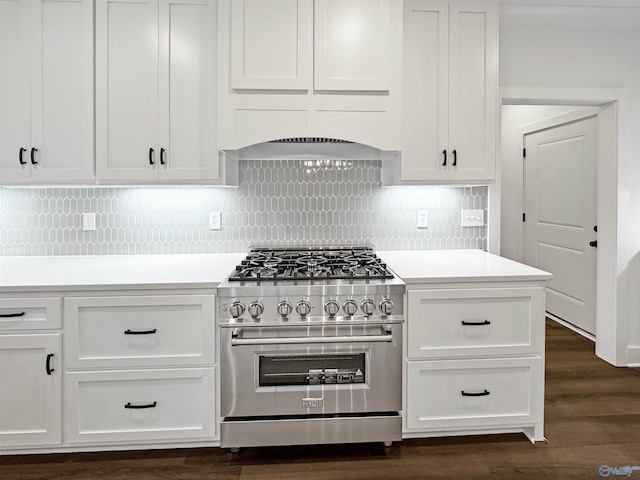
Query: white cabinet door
[(30, 397), (15, 87), (425, 90), (459, 394), (271, 44), (460, 322), (473, 96), (127, 89), (46, 90), (140, 405), (449, 90), (62, 89), (351, 45), (133, 331), (187, 90)]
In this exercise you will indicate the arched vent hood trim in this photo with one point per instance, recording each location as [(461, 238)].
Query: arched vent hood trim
[(309, 148)]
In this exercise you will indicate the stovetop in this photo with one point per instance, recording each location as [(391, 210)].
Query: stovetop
[(316, 263)]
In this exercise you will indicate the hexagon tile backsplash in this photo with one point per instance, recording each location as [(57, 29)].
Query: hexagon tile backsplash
[(278, 203)]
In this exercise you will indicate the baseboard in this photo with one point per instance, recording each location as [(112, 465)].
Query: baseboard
[(572, 327)]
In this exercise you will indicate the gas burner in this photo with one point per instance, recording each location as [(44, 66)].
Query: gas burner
[(256, 273), (312, 261), (313, 272)]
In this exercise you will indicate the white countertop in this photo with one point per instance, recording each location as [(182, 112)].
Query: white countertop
[(114, 271), (435, 266), (208, 270)]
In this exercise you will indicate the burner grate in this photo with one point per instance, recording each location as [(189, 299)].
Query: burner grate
[(339, 263)]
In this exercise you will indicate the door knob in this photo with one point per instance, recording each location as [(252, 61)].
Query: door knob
[(594, 244), (595, 228)]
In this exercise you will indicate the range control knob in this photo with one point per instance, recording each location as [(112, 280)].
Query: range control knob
[(236, 309), (386, 307), (284, 308), (332, 308), (368, 307), (256, 309), (303, 308), (350, 307)]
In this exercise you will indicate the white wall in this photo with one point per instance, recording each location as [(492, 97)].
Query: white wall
[(550, 53)]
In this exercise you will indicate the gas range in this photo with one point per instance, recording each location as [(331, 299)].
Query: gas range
[(329, 284), (310, 348)]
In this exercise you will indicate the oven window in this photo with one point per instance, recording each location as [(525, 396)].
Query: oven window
[(311, 369)]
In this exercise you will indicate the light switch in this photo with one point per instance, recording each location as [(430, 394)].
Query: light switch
[(422, 219), (215, 221), (472, 218)]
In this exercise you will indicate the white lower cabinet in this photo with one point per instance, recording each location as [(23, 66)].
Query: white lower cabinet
[(140, 368), (475, 359), (140, 405), (30, 390)]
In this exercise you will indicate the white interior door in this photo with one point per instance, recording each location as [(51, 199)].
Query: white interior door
[(560, 206)]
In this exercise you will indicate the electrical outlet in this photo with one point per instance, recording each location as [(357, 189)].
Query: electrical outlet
[(472, 218), (88, 221), (215, 221), (422, 219)]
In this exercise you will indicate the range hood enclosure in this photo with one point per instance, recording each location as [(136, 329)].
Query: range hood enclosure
[(309, 148)]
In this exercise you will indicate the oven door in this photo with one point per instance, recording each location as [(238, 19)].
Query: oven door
[(311, 370)]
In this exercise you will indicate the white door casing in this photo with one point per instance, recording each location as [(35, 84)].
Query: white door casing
[(560, 206)]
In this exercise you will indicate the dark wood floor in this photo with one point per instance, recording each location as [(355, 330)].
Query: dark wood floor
[(592, 419)]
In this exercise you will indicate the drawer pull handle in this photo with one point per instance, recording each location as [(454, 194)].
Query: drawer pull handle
[(485, 322), (48, 365), (475, 394), (12, 315), (140, 332), (138, 407)]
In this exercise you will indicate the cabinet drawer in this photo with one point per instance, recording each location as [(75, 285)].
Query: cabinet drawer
[(456, 322), (172, 405), (497, 392), (172, 330), (30, 313)]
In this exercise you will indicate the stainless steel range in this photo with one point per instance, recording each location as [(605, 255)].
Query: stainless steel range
[(311, 348)]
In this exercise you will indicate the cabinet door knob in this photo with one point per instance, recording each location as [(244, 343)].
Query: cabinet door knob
[(12, 315), (33, 156), (455, 158), (162, 161), (444, 154), (151, 162), (22, 161)]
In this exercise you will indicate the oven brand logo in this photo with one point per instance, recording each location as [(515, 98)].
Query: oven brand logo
[(312, 402), (606, 470)]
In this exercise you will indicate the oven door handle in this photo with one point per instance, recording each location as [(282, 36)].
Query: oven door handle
[(236, 341)]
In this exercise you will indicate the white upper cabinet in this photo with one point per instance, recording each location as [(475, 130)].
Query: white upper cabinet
[(275, 44), (271, 44), (155, 90), (450, 88), (310, 68), (351, 45), (46, 91)]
